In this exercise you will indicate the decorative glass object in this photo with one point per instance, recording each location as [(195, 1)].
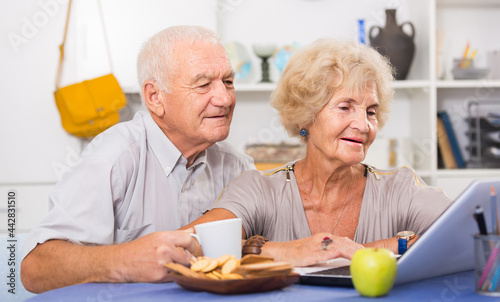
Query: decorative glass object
[(264, 51)]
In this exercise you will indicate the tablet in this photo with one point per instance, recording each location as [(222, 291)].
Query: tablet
[(446, 247)]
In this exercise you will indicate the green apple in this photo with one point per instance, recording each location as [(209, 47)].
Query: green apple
[(373, 271)]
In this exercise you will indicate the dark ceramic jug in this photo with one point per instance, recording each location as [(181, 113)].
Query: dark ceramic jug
[(394, 43)]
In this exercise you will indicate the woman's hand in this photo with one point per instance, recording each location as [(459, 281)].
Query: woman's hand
[(390, 244), (309, 251)]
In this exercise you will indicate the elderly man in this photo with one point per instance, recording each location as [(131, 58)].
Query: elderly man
[(112, 216)]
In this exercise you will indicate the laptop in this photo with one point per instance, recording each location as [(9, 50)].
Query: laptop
[(446, 247)]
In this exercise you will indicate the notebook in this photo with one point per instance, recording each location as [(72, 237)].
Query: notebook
[(446, 247)]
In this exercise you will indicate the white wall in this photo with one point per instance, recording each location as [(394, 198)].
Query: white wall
[(31, 136), (35, 150), (127, 28)]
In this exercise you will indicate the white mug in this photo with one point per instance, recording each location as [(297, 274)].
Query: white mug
[(222, 237)]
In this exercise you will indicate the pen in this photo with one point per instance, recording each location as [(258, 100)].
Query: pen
[(473, 54), (494, 282), (466, 62), (494, 210), (479, 216), (462, 63), (488, 266), (466, 50), (496, 273)]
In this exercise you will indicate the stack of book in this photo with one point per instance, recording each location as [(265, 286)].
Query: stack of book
[(449, 149)]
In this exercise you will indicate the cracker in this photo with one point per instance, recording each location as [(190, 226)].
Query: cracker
[(250, 259), (211, 275), (200, 265), (182, 270), (217, 274), (265, 266), (227, 267), (230, 266), (224, 258), (231, 276), (213, 264)]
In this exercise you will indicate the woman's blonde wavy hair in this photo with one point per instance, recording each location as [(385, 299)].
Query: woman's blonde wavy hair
[(316, 72)]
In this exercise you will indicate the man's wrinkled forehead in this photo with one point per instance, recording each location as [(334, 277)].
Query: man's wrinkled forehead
[(195, 52), (202, 60)]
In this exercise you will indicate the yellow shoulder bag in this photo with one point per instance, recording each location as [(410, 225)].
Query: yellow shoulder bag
[(89, 107)]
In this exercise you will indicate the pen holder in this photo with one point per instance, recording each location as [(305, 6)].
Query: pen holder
[(463, 69), (487, 264), (463, 63)]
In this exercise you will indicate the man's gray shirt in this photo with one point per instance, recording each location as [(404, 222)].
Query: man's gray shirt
[(132, 181)]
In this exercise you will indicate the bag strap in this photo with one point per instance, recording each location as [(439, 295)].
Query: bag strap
[(61, 47)]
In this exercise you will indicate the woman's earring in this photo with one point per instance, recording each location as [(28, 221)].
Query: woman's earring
[(303, 132)]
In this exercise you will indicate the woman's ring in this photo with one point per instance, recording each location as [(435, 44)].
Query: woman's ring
[(326, 241)]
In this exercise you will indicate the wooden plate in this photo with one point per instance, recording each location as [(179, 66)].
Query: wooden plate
[(236, 286)]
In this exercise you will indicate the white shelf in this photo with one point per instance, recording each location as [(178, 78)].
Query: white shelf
[(254, 87), (411, 84), (462, 3), (269, 87), (472, 173), (468, 83)]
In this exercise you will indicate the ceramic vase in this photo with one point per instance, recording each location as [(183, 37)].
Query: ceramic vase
[(394, 43)]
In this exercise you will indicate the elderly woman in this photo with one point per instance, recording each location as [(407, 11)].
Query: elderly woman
[(335, 96)]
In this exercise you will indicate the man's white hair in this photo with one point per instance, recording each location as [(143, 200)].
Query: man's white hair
[(154, 61)]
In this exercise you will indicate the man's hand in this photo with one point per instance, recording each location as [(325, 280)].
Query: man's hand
[(143, 259), (58, 263)]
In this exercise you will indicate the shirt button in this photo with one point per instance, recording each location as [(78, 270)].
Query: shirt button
[(168, 169)]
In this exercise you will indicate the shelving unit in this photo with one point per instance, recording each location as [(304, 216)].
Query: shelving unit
[(463, 21), (417, 99), (423, 94)]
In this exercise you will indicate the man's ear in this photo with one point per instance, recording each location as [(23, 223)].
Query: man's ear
[(152, 94)]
